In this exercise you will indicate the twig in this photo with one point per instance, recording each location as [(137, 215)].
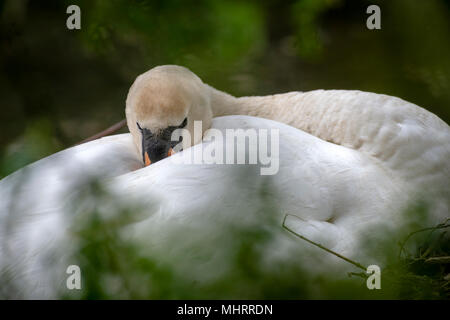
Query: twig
[(319, 245), (119, 125), (358, 274), (432, 246), (439, 226), (442, 260)]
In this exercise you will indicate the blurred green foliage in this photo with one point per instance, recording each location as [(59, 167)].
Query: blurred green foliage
[(211, 256), (166, 266)]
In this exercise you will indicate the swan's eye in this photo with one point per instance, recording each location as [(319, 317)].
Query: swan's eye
[(167, 133), (183, 124)]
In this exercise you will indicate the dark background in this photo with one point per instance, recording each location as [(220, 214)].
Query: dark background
[(59, 86)]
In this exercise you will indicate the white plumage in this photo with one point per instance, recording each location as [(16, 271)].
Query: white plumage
[(349, 161)]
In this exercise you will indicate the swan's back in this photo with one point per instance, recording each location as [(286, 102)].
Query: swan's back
[(402, 137), (335, 192), (317, 182), (36, 208)]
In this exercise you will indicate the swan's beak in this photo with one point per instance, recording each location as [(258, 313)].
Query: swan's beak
[(157, 147), (147, 160), (154, 148)]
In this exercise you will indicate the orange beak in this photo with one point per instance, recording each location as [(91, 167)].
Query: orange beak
[(147, 160)]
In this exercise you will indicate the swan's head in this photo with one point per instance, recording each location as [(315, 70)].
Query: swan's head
[(162, 100)]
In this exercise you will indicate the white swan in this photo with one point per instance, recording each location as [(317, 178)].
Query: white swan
[(358, 160), (399, 135)]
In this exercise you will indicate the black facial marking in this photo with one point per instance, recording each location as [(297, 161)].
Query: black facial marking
[(158, 145), (182, 125)]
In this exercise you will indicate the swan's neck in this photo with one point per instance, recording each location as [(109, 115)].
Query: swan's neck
[(401, 135), (223, 104), (269, 107)]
